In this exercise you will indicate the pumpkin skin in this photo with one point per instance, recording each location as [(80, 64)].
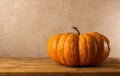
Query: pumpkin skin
[(78, 50)]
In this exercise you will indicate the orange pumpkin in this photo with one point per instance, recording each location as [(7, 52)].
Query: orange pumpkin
[(73, 49)]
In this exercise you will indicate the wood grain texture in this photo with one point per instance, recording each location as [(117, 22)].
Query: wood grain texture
[(45, 66)]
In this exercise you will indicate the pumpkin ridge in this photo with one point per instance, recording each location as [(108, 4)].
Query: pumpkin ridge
[(51, 48), (82, 49), (108, 49), (64, 37), (81, 60), (71, 50), (105, 51), (91, 33), (102, 41), (100, 47), (107, 44), (64, 48), (86, 58), (88, 49), (56, 48), (78, 52), (97, 52), (79, 49), (94, 48)]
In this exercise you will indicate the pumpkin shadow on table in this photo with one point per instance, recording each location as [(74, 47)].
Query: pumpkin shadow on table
[(109, 62)]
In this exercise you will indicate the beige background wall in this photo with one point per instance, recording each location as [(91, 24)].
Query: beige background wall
[(26, 25)]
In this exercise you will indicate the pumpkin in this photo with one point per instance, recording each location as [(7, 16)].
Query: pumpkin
[(73, 49)]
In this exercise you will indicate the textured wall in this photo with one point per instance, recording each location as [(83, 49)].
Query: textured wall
[(26, 25)]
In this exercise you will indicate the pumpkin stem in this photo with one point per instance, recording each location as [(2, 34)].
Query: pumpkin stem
[(76, 29)]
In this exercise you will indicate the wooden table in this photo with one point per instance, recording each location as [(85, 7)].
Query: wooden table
[(46, 67)]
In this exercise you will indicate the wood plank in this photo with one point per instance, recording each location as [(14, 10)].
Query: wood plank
[(45, 66)]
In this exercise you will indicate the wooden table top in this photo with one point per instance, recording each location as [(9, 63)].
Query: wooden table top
[(45, 66)]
